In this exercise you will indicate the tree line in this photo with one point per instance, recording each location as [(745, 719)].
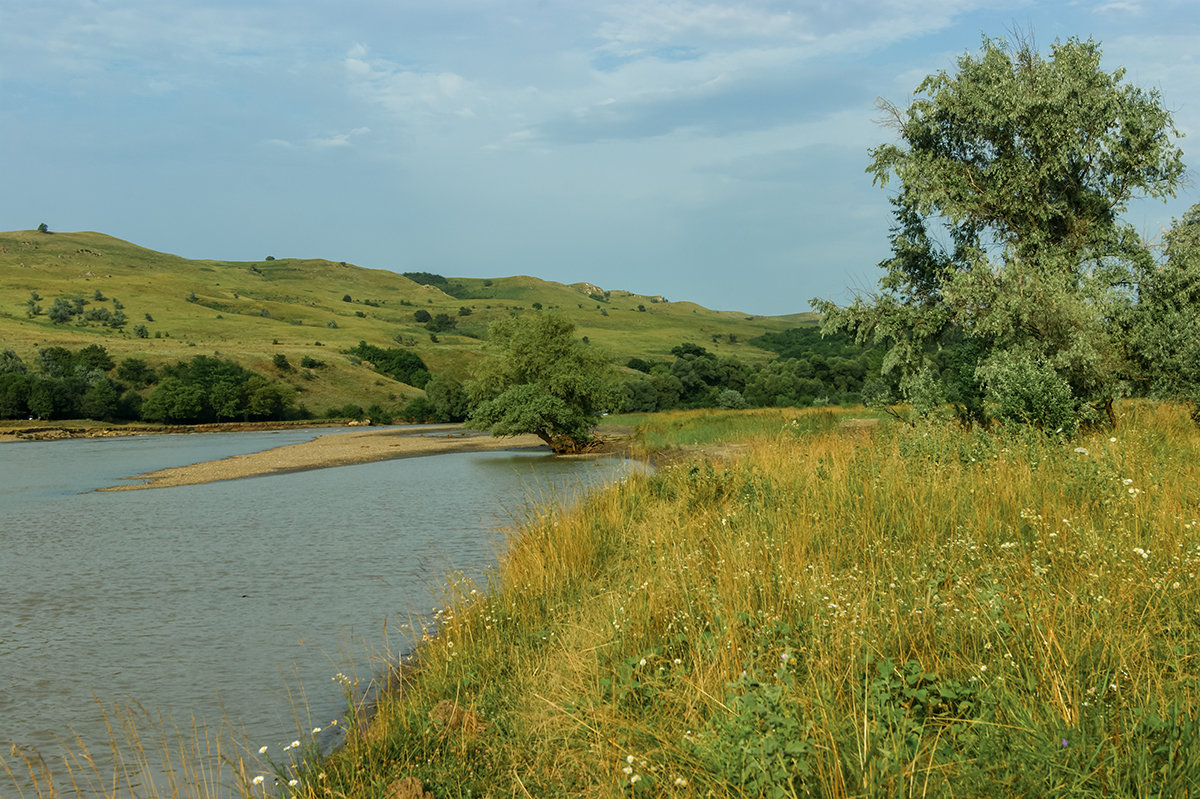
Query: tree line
[(88, 384)]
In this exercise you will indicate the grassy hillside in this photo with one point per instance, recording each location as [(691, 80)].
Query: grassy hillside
[(253, 310)]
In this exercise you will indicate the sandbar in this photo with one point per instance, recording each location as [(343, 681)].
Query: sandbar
[(333, 449)]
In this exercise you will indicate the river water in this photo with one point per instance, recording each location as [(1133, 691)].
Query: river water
[(233, 603)]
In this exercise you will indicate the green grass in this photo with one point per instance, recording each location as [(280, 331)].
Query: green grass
[(301, 298), (847, 611), (836, 607)]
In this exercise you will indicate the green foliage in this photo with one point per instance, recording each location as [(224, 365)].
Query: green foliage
[(763, 744), (399, 364), (281, 362), (440, 323), (448, 399), (639, 364), (1164, 329), (135, 372), (1024, 162), (426, 278), (210, 389), (421, 316), (731, 399), (538, 378)]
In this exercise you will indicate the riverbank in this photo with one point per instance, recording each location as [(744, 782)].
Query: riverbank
[(15, 430), (833, 610), (332, 449), (364, 445), (344, 449)]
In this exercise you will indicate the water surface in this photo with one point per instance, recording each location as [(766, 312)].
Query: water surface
[(235, 601)]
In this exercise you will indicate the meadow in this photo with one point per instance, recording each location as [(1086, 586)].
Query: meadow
[(830, 605), (839, 609)]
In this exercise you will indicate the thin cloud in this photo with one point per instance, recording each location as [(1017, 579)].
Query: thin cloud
[(321, 142)]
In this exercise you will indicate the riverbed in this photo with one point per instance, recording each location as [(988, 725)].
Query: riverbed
[(234, 603)]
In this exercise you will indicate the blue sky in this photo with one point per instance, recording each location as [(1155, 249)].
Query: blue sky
[(706, 151)]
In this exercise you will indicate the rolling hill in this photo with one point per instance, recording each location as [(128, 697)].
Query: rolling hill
[(251, 311)]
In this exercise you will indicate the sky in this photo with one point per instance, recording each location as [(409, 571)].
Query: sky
[(705, 151)]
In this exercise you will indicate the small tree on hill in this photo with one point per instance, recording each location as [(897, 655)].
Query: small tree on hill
[(538, 378)]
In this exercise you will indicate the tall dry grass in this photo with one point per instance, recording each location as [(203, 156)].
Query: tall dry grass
[(832, 609), (848, 612)]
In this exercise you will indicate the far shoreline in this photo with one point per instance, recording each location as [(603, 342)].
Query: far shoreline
[(336, 446), (330, 450)]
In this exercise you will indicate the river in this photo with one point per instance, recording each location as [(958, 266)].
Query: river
[(233, 604)]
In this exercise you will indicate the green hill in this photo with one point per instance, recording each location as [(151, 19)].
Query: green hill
[(251, 311)]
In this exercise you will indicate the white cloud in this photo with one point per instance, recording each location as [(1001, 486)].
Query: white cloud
[(334, 140), (1121, 7), (408, 93)]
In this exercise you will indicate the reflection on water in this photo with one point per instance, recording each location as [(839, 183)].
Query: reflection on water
[(223, 601)]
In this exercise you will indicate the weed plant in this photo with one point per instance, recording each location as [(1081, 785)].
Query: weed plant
[(838, 610)]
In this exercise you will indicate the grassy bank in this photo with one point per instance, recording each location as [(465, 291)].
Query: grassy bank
[(837, 610), (831, 608)]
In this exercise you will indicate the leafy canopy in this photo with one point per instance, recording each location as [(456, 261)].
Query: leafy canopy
[(1010, 264), (1165, 332), (537, 377)]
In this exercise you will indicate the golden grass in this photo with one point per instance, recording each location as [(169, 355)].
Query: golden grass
[(922, 611), (833, 610)]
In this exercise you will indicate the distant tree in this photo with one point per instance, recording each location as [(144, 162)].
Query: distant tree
[(399, 364), (55, 361), (174, 400), (464, 311), (43, 228), (100, 401), (448, 398), (135, 372), (141, 331), (93, 356), (266, 400), (536, 377), (421, 316), (640, 396), (281, 362), (11, 363), (426, 278), (61, 311), (346, 298), (440, 323), (731, 399), (14, 394)]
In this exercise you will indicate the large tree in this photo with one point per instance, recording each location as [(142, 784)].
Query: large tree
[(1010, 263), (537, 377)]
